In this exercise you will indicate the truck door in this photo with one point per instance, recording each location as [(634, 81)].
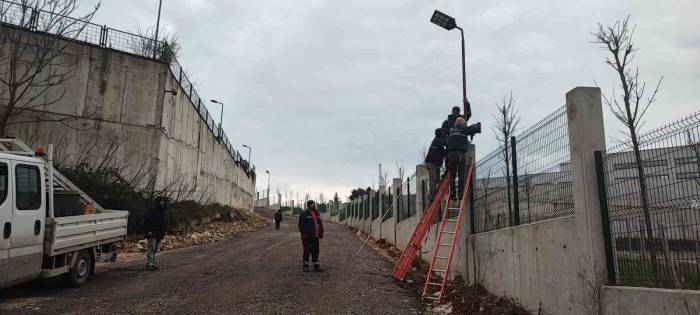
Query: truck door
[(26, 241), (5, 220)]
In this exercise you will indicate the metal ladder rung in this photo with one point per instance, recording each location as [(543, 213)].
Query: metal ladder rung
[(445, 244), (441, 257), (430, 297), (448, 232), (451, 220), (434, 283), (439, 270), (453, 208)]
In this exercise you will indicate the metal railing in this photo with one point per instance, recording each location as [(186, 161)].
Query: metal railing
[(542, 188), (66, 27), (653, 231), (387, 208)]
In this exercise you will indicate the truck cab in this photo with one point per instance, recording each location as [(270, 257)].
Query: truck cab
[(22, 217), (36, 240)]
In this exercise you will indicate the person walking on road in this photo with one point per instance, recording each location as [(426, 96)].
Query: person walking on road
[(155, 226), (311, 229), (278, 219), (434, 159)]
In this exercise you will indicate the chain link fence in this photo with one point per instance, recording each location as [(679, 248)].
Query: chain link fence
[(652, 204), (536, 187)]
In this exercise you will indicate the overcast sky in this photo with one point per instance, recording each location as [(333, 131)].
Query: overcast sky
[(326, 90)]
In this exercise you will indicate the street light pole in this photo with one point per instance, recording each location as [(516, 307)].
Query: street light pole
[(249, 150), (467, 109), (268, 187), (155, 46), (221, 117), (447, 22)]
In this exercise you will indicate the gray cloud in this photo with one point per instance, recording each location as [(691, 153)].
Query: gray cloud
[(326, 90)]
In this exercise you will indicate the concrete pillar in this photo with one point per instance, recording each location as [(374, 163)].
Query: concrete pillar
[(421, 175), (460, 256), (586, 135)]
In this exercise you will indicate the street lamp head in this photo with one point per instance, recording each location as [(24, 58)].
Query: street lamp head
[(217, 102), (245, 146), (266, 171), (443, 20)]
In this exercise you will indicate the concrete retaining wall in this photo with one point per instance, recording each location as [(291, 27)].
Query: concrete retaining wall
[(533, 263), (115, 113)]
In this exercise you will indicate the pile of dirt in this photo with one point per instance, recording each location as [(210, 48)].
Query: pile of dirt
[(212, 232), (459, 297)]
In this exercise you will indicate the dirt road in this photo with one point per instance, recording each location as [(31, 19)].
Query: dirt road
[(256, 272)]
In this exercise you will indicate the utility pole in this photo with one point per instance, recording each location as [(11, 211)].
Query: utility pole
[(155, 46)]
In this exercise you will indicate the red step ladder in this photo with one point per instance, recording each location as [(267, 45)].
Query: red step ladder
[(440, 264), (404, 262)]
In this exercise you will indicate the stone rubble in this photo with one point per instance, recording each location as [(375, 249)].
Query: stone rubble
[(212, 232)]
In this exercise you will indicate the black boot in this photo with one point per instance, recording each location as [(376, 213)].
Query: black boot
[(305, 267), (317, 268)]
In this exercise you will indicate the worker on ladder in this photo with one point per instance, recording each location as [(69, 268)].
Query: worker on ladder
[(457, 144), (434, 159)]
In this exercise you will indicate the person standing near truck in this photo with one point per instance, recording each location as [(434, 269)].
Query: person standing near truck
[(155, 226), (311, 229), (278, 219)]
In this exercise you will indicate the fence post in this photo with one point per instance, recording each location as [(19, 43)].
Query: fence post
[(396, 185), (408, 196), (605, 218), (103, 38), (516, 196)]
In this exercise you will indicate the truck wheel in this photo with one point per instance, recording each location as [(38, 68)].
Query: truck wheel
[(80, 272)]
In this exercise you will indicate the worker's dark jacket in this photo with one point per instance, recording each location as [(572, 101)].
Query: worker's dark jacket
[(457, 140), (155, 222), (307, 227), (436, 153), (278, 217), (449, 122)]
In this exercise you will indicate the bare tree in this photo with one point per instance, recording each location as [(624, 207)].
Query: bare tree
[(400, 169), (166, 49), (630, 109), (33, 56), (423, 153), (507, 120)]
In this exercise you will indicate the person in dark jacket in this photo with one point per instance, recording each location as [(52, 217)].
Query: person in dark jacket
[(457, 144), (311, 229), (155, 225), (450, 121), (278, 219), (434, 159)]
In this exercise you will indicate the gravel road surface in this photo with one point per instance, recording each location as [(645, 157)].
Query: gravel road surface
[(254, 273)]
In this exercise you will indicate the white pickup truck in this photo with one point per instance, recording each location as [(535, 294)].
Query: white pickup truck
[(34, 242)]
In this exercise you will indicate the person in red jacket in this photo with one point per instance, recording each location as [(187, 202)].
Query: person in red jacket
[(311, 229)]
